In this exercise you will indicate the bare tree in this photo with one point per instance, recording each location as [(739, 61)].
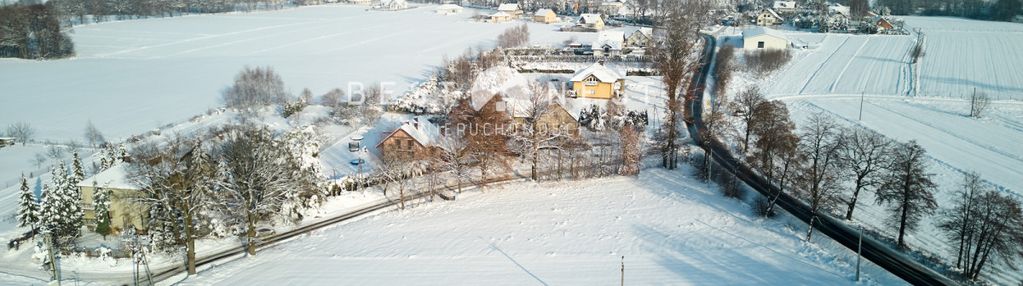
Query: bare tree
[(747, 105), (255, 87), (776, 145), (979, 104), (485, 132), (93, 135), (907, 188), (676, 54), (818, 174), (865, 154), (453, 159), (724, 65), (21, 131), (533, 135), (986, 224), (631, 139)]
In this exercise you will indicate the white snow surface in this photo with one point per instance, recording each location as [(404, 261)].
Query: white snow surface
[(670, 228), (132, 76)]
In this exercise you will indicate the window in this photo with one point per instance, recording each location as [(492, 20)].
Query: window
[(760, 44)]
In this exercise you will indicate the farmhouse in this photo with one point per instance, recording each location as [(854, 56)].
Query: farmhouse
[(448, 9), (124, 211), (510, 8), (499, 17), (758, 38), (597, 81), (591, 21), (608, 44), (412, 140), (884, 25), (769, 18), (639, 38), (545, 16)]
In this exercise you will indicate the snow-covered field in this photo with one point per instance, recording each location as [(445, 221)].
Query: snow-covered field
[(961, 55), (132, 76), (672, 230)]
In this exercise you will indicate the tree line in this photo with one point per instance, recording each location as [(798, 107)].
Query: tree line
[(830, 166), (33, 32)]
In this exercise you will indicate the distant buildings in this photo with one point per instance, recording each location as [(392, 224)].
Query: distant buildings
[(608, 43), (785, 7), (499, 17), (125, 212), (640, 38), (761, 38), (412, 140), (511, 9)]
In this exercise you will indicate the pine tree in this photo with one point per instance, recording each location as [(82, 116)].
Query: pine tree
[(101, 205), (28, 211), (78, 173), (61, 211)]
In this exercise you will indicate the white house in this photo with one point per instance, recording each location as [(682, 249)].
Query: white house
[(835, 8), (785, 6), (592, 21), (760, 38), (510, 8), (769, 18), (448, 9), (609, 43), (640, 38)]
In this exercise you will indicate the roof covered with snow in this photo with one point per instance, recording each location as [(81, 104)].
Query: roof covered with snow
[(116, 177), (784, 4), (757, 31), (603, 73), (614, 39), (513, 87), (508, 7), (421, 130), (589, 18), (543, 12), (500, 14), (773, 13)]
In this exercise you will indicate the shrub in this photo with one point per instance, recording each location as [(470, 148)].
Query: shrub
[(767, 61)]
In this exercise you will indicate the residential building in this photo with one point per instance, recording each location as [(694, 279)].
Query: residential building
[(412, 140), (545, 16), (510, 8), (639, 38), (760, 38), (448, 9), (591, 21), (769, 18), (597, 81), (125, 210), (608, 44)]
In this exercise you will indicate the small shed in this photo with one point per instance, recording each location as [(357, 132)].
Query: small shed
[(761, 38)]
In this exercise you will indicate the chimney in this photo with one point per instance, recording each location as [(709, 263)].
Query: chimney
[(415, 122)]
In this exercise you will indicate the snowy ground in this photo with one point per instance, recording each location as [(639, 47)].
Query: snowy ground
[(132, 76), (961, 54), (671, 229)]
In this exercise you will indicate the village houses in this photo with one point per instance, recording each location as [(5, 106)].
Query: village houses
[(545, 16), (591, 21), (597, 81)]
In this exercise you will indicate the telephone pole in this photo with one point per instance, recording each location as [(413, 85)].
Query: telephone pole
[(861, 107), (623, 271), (859, 253)]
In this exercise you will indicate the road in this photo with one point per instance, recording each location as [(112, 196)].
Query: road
[(877, 252)]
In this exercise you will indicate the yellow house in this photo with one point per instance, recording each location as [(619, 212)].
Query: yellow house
[(545, 16), (124, 210), (500, 17), (597, 81)]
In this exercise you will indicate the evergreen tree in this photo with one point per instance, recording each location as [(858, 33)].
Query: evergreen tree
[(101, 205), (28, 211), (78, 172), (61, 211)]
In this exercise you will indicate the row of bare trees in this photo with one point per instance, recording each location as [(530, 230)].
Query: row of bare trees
[(33, 32), (830, 165)]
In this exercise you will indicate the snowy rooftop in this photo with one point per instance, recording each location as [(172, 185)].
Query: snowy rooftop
[(449, 7), (500, 14), (513, 87), (759, 31), (784, 4), (598, 70), (543, 12), (114, 178), (613, 39), (773, 13), (421, 130), (589, 18)]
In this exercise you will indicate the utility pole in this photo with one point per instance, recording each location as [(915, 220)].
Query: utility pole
[(861, 107), (54, 256), (859, 253), (973, 101)]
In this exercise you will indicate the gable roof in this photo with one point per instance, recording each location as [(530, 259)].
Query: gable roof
[(589, 18), (116, 177), (500, 14), (501, 79), (423, 131), (508, 7), (757, 31), (599, 71), (543, 12), (784, 4), (773, 13), (645, 31), (614, 39), (448, 7)]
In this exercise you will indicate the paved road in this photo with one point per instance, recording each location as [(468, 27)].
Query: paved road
[(873, 250)]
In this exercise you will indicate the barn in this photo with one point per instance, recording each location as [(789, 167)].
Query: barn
[(760, 38)]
